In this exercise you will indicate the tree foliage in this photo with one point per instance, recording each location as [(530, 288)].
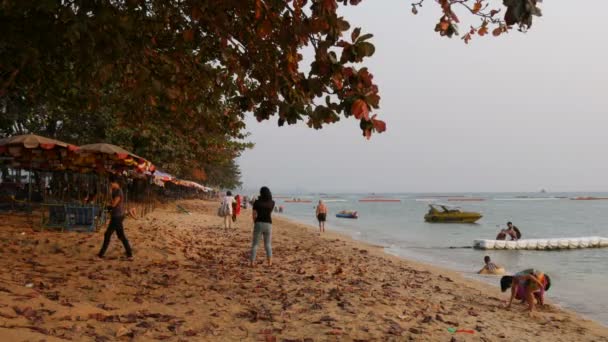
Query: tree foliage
[(174, 79)]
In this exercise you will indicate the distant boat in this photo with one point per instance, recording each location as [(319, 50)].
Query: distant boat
[(297, 200), (466, 199), (347, 214), (588, 198), (543, 191), (443, 214), (378, 199)]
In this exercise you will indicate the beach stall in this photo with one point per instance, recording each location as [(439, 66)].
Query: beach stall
[(48, 164), (67, 182), (32, 156)]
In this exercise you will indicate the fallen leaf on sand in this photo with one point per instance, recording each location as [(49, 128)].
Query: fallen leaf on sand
[(123, 331)]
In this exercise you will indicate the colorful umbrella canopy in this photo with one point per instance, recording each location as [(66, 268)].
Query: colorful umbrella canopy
[(31, 141), (190, 184), (165, 177), (114, 158), (108, 149), (31, 151)]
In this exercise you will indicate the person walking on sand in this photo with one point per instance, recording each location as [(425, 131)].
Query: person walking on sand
[(236, 208), (262, 224), (117, 216), (226, 210), (321, 215)]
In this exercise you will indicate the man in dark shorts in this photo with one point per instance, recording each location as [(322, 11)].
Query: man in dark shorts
[(117, 215), (321, 215)]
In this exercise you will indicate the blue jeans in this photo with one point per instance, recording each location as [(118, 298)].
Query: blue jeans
[(265, 229)]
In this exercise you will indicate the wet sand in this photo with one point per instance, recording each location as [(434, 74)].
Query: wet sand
[(190, 281)]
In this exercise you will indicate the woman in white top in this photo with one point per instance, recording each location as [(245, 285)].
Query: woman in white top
[(226, 209)]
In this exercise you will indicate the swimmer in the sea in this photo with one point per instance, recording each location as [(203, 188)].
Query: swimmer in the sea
[(490, 267)]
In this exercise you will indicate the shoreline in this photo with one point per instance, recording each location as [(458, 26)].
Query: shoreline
[(483, 282), (190, 280), (419, 259)]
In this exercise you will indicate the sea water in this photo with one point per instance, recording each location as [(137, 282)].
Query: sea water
[(579, 276)]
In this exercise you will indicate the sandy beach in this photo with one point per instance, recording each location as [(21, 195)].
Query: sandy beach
[(190, 282)]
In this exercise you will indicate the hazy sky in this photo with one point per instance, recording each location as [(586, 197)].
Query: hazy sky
[(516, 113)]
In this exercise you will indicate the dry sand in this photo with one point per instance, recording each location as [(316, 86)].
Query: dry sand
[(190, 282)]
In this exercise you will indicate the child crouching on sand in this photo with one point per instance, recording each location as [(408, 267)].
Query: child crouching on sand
[(528, 285)]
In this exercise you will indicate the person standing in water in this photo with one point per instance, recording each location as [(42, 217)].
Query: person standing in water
[(321, 215), (262, 224), (511, 231), (117, 216)]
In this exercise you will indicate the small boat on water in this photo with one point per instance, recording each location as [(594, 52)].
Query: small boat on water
[(379, 199), (298, 200), (443, 214), (465, 199), (589, 198), (347, 214)]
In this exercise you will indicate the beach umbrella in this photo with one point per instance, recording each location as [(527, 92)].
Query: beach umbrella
[(190, 184), (108, 149), (159, 177), (116, 158), (31, 151), (31, 141)]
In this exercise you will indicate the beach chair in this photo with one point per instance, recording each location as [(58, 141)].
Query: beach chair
[(81, 217), (22, 205), (6, 203), (53, 216)]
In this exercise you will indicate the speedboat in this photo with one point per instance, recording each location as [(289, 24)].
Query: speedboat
[(446, 214), (347, 214)]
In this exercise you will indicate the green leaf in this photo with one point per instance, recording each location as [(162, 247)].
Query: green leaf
[(365, 49), (365, 37), (355, 34)]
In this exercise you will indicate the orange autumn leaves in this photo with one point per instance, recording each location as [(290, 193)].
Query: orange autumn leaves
[(360, 110), (518, 12)]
